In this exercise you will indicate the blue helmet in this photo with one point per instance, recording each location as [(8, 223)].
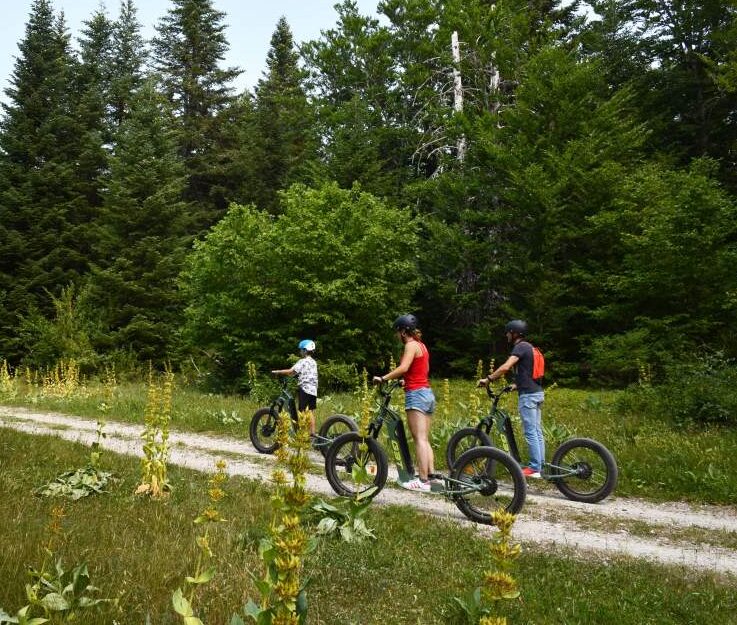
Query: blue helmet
[(307, 345)]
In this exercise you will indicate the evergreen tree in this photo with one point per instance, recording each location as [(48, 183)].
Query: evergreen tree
[(680, 49), (187, 53), (92, 88), (42, 211), (362, 111), (143, 233), (284, 121), (129, 56)]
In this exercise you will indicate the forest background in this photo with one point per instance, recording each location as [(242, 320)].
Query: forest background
[(150, 213)]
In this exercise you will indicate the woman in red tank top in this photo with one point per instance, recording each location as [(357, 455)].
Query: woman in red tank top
[(419, 400)]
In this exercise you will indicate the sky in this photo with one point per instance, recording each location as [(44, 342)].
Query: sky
[(250, 25)]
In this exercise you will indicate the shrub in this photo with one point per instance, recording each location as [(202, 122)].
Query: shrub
[(334, 266), (701, 392)]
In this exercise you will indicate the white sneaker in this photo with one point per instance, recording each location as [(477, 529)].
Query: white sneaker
[(416, 484)]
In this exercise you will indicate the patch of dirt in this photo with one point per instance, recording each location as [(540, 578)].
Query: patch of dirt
[(547, 518)]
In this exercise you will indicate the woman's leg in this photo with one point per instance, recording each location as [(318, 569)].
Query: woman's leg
[(419, 425)]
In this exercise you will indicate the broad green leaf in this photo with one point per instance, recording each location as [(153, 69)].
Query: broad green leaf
[(55, 602), (203, 577), (181, 605), (252, 609)]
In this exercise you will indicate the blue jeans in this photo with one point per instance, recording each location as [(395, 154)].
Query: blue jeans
[(530, 409)]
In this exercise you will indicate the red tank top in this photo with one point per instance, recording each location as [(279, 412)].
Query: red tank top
[(417, 374)]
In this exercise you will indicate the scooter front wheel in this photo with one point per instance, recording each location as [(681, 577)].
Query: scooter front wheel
[(356, 466), (487, 480)]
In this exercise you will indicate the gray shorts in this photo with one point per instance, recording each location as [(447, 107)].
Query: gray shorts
[(422, 399)]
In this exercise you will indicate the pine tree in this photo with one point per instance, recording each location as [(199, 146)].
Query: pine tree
[(361, 110), (187, 53)]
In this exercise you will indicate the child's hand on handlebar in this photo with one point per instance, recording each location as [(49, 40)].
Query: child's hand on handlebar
[(482, 382), (377, 379)]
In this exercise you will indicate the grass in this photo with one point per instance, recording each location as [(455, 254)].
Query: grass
[(139, 551), (656, 460)]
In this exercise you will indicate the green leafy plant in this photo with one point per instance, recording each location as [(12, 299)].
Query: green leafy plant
[(344, 517), (8, 382), (59, 593), (283, 593), (499, 585), (183, 606), (62, 592), (78, 483), (154, 480), (226, 417)]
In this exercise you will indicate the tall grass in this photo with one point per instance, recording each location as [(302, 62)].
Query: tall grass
[(138, 551)]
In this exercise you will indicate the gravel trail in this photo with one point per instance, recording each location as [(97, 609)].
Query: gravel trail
[(547, 518)]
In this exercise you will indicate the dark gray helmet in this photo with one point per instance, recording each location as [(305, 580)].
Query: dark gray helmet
[(517, 326), (405, 322)]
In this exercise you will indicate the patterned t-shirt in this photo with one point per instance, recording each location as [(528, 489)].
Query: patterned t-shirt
[(306, 370)]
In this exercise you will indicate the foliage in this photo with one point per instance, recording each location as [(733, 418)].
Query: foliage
[(60, 594), (498, 584), (344, 517), (154, 479), (82, 482), (8, 382), (334, 266), (283, 593), (64, 337), (77, 483), (144, 229), (203, 574), (594, 187), (187, 51), (677, 243), (45, 208), (338, 376), (285, 128), (700, 392)]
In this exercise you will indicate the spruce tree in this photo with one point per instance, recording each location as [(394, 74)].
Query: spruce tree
[(129, 56), (41, 210), (187, 53), (144, 233), (284, 120)]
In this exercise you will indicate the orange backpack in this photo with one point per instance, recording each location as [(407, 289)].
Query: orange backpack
[(538, 364)]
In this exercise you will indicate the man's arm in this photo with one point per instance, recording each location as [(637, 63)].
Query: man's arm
[(499, 372)]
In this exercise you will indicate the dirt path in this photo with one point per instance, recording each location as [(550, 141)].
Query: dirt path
[(672, 533)]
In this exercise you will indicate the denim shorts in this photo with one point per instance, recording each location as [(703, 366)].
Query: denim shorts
[(421, 399)]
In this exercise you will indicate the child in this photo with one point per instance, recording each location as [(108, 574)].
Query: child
[(306, 371)]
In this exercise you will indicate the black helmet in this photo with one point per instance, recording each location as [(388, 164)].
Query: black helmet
[(517, 326), (405, 322)]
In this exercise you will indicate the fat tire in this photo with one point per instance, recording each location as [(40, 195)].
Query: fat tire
[(255, 430), (328, 424), (477, 436), (495, 460), (335, 462), (564, 484)]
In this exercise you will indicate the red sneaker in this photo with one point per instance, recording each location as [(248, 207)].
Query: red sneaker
[(528, 472)]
